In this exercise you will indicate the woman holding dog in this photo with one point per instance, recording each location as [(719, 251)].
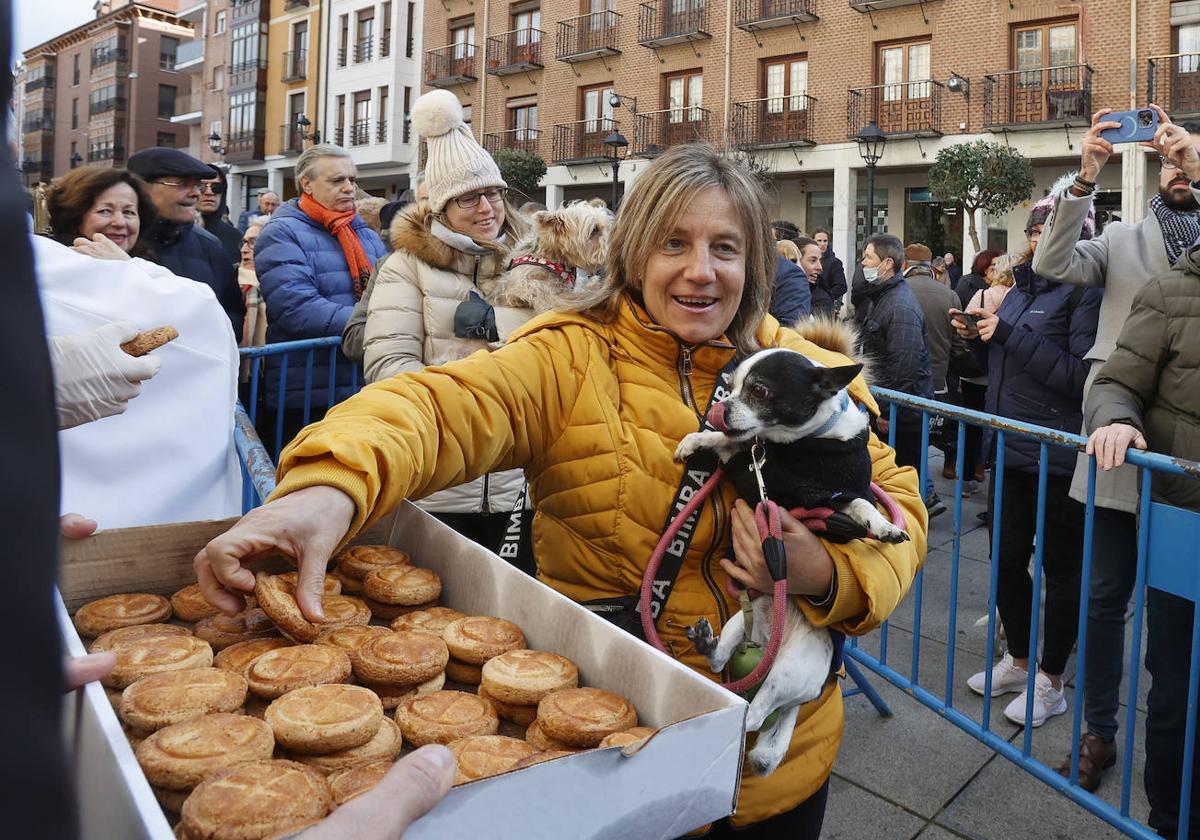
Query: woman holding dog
[(431, 302), (591, 404)]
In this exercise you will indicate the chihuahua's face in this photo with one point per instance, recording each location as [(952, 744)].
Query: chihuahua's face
[(779, 394), (576, 233)]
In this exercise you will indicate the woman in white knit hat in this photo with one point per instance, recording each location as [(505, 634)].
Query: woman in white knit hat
[(432, 298)]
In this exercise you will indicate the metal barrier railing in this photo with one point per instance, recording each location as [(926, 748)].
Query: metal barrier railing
[(1161, 528)]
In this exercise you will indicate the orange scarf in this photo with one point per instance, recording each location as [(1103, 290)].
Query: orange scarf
[(340, 225)]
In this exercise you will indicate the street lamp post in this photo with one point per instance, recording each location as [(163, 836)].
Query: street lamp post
[(871, 141), (615, 142)]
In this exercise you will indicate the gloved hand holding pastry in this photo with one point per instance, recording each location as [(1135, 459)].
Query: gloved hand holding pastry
[(93, 376)]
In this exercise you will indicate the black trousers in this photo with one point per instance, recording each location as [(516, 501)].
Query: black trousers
[(801, 823), (973, 397), (1062, 557)]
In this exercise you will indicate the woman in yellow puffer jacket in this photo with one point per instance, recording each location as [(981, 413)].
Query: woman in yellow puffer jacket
[(591, 405)]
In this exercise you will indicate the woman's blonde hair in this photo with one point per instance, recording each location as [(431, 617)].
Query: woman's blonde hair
[(1002, 269), (650, 212), (787, 249)]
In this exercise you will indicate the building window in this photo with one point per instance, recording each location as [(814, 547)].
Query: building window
[(165, 140), (340, 137), (385, 39), (343, 39), (300, 43), (249, 43), (596, 109), (108, 51), (243, 114), (408, 30), (166, 101), (785, 84), (168, 47), (1187, 45), (219, 24), (218, 78), (685, 95), (1045, 45), (904, 63), (522, 118), (381, 132), (295, 108), (364, 34), (74, 113), (107, 98), (407, 110), (527, 24), (214, 127), (75, 69), (1048, 79), (462, 36), (74, 154), (361, 128)]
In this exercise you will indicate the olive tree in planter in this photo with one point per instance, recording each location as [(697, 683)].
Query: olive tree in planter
[(981, 176)]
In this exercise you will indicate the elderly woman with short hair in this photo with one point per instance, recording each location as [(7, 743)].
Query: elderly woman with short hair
[(313, 260), (591, 405)]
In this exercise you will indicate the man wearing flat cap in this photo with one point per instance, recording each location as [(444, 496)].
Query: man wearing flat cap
[(173, 179)]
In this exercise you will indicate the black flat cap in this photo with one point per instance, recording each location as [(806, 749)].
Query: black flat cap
[(160, 163)]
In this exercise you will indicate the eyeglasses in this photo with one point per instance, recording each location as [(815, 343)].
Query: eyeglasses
[(249, 241), (216, 187), (178, 183), (470, 200)]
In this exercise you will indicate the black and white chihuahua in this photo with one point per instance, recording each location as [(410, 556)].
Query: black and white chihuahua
[(816, 456)]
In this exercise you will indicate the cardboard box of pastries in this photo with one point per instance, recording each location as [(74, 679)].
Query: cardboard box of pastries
[(684, 776)]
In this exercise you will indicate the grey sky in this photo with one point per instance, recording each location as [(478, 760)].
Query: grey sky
[(41, 20)]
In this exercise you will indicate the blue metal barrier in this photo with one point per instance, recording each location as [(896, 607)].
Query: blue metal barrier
[(1166, 535)]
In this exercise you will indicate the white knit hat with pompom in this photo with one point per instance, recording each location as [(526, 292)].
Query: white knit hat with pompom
[(456, 164)]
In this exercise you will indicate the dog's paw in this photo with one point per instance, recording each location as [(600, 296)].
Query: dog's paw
[(689, 446), (701, 636), (889, 533), (765, 760)]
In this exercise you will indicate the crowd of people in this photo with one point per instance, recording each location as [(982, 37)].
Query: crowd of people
[(1081, 330)]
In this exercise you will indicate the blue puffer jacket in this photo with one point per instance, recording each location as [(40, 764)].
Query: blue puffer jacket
[(1035, 362), (192, 252), (309, 293)]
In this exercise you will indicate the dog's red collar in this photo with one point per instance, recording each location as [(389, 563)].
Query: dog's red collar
[(565, 275)]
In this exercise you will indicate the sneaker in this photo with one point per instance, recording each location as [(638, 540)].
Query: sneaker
[(1006, 678), (1047, 702), (935, 505)]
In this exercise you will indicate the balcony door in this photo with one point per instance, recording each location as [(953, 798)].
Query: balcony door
[(462, 56), (1048, 81), (527, 34), (783, 111), (904, 95), (1185, 70), (597, 113)]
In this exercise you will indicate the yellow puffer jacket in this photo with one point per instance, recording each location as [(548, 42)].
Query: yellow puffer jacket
[(593, 414)]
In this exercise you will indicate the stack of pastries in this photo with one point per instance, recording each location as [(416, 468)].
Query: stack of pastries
[(260, 724)]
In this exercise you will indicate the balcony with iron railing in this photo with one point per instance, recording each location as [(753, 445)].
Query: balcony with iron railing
[(871, 6), (672, 22), (774, 122), (1038, 98), (291, 139), (516, 139), (385, 45), (360, 133), (244, 145), (103, 58), (450, 65), (518, 51), (364, 51), (582, 141), (752, 15), (1173, 83), (902, 109), (107, 104), (295, 66), (381, 131), (45, 82), (38, 121), (656, 131), (588, 36)]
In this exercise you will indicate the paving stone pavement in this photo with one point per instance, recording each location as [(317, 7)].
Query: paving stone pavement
[(916, 774)]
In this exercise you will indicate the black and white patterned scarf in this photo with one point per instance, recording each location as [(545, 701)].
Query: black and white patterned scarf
[(1180, 228)]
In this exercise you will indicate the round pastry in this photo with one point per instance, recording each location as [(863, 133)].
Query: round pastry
[(122, 635), (279, 671), (344, 611), (222, 630), (98, 617), (182, 755), (325, 718), (351, 637), (261, 799), (385, 746), (400, 658), (524, 677), (236, 657), (360, 560), (629, 736), (404, 585), (540, 756), (390, 612), (350, 586), (188, 604), (354, 781), (142, 658), (445, 716), (431, 620), (391, 695), (170, 800), (478, 638), (463, 672), (520, 715), (538, 737), (333, 586), (278, 601), (583, 717), (481, 756), (173, 696)]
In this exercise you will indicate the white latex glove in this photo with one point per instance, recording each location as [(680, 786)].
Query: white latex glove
[(93, 376)]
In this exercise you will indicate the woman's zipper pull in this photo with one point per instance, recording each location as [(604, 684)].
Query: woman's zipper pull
[(687, 362)]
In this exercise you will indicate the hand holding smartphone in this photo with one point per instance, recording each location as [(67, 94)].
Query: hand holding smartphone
[(970, 323), (1135, 126)]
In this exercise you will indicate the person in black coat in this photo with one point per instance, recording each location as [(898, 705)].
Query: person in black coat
[(972, 284), (833, 273), (953, 269), (810, 264), (173, 178), (213, 211)]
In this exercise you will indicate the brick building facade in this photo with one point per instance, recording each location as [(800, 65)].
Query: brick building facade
[(788, 82)]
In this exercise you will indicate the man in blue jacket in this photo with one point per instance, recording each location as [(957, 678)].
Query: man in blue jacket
[(173, 180)]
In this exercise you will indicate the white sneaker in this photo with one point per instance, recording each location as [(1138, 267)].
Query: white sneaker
[(1047, 702), (1006, 678)]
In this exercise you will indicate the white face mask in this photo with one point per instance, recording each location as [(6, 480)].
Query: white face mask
[(871, 274)]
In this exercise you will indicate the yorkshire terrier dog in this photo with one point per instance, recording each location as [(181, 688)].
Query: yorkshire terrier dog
[(563, 253)]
